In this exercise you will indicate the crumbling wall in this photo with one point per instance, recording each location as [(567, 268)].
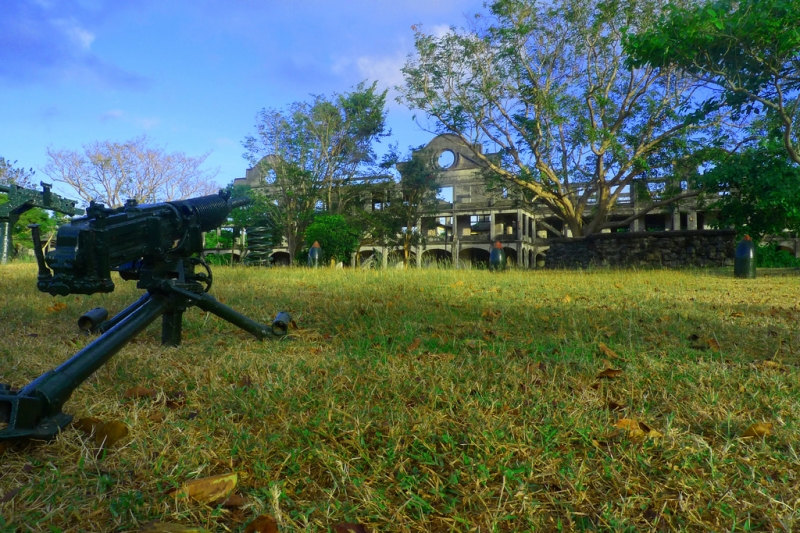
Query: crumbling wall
[(672, 249)]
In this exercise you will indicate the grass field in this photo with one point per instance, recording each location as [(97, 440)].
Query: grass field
[(433, 400)]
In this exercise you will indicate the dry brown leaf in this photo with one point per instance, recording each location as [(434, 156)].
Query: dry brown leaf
[(607, 364), (713, 344), (140, 392), (759, 429), (608, 351), (637, 430), (491, 314), (772, 365), (344, 527), (88, 424), (56, 307), (566, 299), (245, 382), (614, 406), (208, 489), (166, 527), (234, 500), (414, 344), (609, 373), (738, 314), (110, 433), (262, 524), (157, 417)]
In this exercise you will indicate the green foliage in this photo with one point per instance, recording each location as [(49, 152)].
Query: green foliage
[(747, 48), (771, 256), (309, 151), (336, 237), (223, 240), (398, 224), (756, 191)]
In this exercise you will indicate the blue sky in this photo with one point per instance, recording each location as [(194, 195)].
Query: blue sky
[(192, 74)]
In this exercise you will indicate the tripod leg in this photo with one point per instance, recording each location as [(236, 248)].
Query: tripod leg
[(119, 317), (171, 327), (35, 411), (211, 305)]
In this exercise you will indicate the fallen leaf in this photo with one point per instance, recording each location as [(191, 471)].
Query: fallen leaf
[(166, 527), (234, 500), (609, 373), (207, 489), (345, 527), (772, 365), (738, 314), (175, 399), (491, 314), (566, 299), (140, 392), (245, 382), (614, 406), (88, 424), (759, 429), (608, 351), (414, 344), (637, 430), (8, 496), (110, 433), (262, 524), (713, 344), (56, 307), (157, 417)]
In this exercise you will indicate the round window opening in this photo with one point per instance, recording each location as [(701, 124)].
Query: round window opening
[(446, 159)]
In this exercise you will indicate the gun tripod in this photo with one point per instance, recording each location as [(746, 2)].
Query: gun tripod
[(35, 410)]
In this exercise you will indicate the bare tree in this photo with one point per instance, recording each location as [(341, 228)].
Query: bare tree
[(111, 173)]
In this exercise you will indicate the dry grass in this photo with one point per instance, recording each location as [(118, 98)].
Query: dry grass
[(428, 401)]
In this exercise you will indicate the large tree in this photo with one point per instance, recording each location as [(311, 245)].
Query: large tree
[(547, 83), (310, 152), (111, 172), (401, 221), (749, 50)]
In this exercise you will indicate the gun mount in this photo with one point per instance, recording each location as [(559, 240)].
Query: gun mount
[(154, 244), (21, 200)]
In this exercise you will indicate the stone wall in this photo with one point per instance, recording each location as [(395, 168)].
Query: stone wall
[(671, 249)]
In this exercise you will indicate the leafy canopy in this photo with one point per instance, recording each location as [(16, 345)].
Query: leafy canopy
[(749, 49)]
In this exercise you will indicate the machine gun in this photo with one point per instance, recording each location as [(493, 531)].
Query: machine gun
[(21, 200), (154, 244)]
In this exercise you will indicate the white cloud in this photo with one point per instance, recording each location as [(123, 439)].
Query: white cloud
[(112, 114), (386, 70), (149, 123)]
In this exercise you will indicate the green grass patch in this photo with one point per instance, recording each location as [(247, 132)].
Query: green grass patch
[(427, 400)]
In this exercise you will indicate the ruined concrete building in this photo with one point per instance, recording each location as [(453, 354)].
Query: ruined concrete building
[(472, 217)]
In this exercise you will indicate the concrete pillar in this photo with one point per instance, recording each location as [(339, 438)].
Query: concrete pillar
[(491, 226), (676, 220), (384, 256), (520, 226), (5, 242), (691, 220)]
